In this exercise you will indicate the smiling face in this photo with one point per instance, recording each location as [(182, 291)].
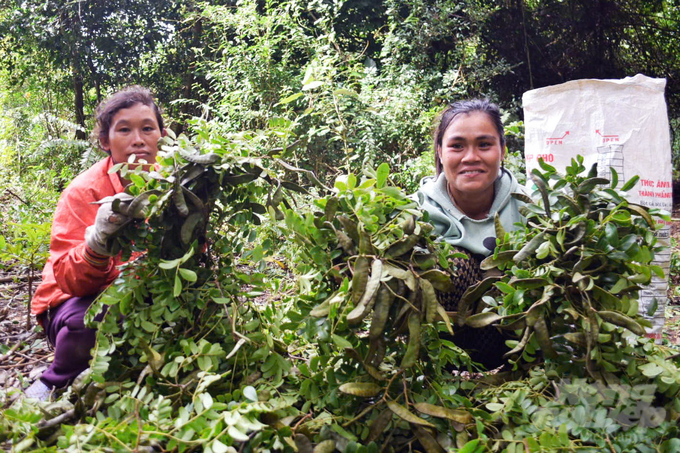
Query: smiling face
[(471, 152), (134, 130)]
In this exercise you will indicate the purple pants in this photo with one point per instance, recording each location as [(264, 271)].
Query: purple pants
[(72, 341)]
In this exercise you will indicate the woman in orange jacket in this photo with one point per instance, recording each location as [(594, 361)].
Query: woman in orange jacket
[(81, 262)]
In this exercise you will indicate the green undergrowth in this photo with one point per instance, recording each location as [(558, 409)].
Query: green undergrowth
[(203, 348)]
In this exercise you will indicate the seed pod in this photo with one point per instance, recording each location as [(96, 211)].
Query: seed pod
[(408, 226), (187, 232), (327, 446), (238, 179), (368, 299), (482, 319), (381, 311), (321, 310), (570, 201), (524, 198), (622, 320), (137, 207), (543, 338), (522, 343), (203, 159), (413, 347), (459, 416), (425, 261), (191, 172), (402, 246), (425, 229), (472, 295), (331, 208), (429, 299), (360, 278), (440, 280), (502, 257), (577, 338), (428, 442), (589, 184), (498, 227), (642, 212), (543, 189), (604, 338), (365, 245), (362, 389), (534, 313), (346, 243), (350, 227), (518, 324), (379, 425), (443, 316), (376, 351), (275, 199), (530, 247), (373, 372), (324, 307), (303, 444), (578, 235), (404, 275), (193, 199), (407, 415), (180, 202)]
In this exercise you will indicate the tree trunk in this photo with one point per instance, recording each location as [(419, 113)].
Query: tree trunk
[(79, 104), (30, 296)]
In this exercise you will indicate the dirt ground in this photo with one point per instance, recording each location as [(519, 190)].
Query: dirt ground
[(25, 353)]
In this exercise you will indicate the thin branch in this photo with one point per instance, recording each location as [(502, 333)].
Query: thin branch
[(58, 420), (17, 197)]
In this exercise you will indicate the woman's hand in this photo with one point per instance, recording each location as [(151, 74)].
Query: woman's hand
[(107, 223)]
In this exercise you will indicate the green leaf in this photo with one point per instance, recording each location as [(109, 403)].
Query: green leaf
[(250, 393), (630, 183), (393, 192), (169, 264), (615, 178), (345, 92), (291, 98), (381, 174), (188, 275), (340, 342), (312, 85), (651, 369), (149, 327), (470, 447), (177, 290)]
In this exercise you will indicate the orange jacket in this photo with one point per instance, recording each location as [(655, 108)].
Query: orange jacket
[(67, 273)]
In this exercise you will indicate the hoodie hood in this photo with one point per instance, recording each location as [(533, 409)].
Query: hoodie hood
[(456, 228)]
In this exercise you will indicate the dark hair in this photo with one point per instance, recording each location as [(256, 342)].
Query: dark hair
[(123, 99), (453, 110)]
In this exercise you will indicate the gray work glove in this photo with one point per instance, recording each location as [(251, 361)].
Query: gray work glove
[(107, 223)]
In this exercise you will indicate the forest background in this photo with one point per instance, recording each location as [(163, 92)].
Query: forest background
[(330, 86)]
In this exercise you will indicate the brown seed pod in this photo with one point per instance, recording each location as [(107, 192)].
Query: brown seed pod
[(413, 347), (428, 442), (459, 416), (622, 320), (368, 298), (362, 389), (379, 425), (381, 312), (407, 415), (360, 278)]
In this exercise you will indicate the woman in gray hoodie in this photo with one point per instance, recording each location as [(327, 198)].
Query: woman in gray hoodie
[(470, 188)]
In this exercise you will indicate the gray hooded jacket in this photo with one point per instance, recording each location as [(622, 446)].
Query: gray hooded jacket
[(454, 227)]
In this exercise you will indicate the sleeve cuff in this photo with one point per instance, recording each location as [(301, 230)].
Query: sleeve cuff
[(95, 259)]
